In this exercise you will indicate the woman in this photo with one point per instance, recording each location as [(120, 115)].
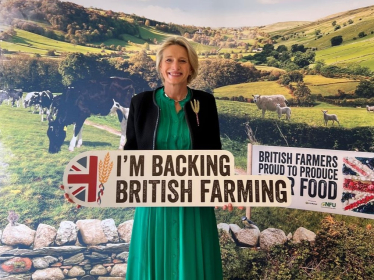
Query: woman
[(174, 242)]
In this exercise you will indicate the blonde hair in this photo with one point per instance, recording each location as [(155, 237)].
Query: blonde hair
[(191, 53)]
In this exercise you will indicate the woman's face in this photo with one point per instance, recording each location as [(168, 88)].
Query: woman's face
[(174, 66)]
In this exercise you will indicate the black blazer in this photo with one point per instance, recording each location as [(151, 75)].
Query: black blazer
[(144, 116)]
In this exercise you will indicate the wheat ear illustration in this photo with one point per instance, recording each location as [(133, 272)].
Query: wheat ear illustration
[(104, 171)]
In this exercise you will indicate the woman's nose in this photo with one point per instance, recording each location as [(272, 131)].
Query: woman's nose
[(176, 65)]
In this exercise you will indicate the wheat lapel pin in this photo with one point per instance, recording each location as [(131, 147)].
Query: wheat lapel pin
[(196, 108)]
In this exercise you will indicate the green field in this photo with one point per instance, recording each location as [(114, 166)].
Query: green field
[(329, 86), (348, 117), (353, 49), (316, 83), (32, 186), (31, 43), (359, 52), (249, 89)]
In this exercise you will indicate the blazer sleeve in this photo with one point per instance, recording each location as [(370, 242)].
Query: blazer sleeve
[(131, 141)]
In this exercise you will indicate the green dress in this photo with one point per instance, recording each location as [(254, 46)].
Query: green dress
[(174, 242)]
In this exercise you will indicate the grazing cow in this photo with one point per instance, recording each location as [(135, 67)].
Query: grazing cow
[(84, 99), (122, 114), (3, 96), (29, 98), (15, 95), (53, 109), (42, 100)]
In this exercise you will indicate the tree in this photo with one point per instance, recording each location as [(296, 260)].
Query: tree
[(337, 40), (365, 89), (318, 65), (292, 76), (282, 48), (303, 94), (304, 59), (362, 34), (297, 48), (271, 61), (77, 66), (31, 73), (333, 23), (214, 73)]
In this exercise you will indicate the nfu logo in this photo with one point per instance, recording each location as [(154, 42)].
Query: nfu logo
[(328, 205)]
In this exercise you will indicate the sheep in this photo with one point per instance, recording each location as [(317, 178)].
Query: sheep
[(330, 117), (268, 102), (370, 108), (283, 110)]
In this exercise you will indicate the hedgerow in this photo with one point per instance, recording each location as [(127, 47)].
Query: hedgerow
[(340, 251)]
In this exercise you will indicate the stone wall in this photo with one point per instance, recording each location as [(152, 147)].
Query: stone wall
[(85, 250), (98, 250)]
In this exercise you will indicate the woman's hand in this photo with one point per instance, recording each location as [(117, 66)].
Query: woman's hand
[(230, 207)]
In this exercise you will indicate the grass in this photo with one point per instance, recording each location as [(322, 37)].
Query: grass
[(152, 33), (316, 83), (32, 188), (360, 51), (29, 42), (329, 86), (348, 117), (249, 89)]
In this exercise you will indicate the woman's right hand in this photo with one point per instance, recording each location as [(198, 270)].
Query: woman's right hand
[(230, 207)]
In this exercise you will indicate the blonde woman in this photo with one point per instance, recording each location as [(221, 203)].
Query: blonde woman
[(174, 242)]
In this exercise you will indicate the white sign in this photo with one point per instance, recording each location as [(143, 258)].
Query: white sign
[(339, 182), (168, 178)]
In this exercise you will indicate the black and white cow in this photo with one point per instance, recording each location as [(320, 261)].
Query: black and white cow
[(53, 109), (122, 114), (14, 96), (29, 96), (3, 96), (82, 100), (41, 100)]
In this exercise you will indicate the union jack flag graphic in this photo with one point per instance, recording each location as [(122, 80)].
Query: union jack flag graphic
[(358, 187), (82, 179)]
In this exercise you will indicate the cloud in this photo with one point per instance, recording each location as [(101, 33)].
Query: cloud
[(269, 1), (266, 2)]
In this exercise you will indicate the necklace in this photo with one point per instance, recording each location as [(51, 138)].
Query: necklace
[(176, 101)]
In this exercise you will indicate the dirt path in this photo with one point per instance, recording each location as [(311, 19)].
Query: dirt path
[(118, 133), (104, 127)]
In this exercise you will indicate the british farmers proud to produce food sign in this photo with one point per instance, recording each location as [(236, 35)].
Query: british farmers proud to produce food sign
[(340, 182)]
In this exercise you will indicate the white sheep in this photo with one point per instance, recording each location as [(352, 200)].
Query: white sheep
[(370, 108), (269, 102), (330, 117), (283, 110)]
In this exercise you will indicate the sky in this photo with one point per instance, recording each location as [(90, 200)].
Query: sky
[(228, 13)]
